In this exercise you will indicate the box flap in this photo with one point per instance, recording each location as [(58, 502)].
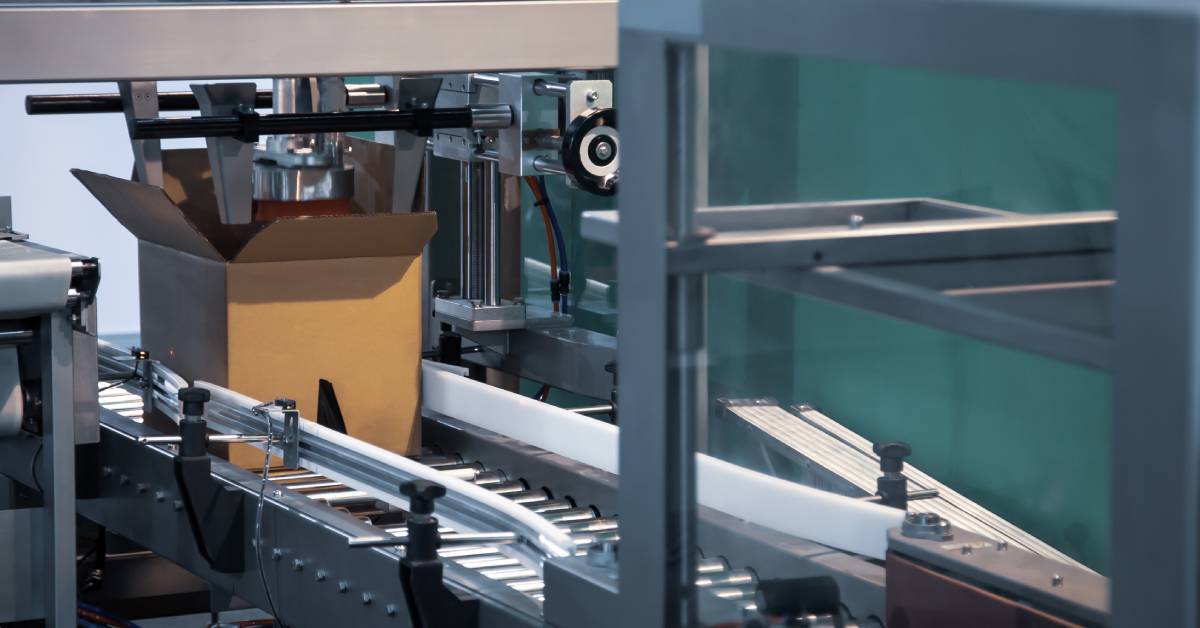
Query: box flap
[(147, 212), (338, 237), (187, 180)]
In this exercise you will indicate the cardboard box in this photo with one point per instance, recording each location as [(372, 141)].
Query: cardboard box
[(269, 310)]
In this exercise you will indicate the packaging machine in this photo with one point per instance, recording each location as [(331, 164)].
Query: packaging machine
[(420, 488)]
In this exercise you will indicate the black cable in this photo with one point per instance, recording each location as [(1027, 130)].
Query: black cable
[(33, 467), (137, 362), (262, 493)]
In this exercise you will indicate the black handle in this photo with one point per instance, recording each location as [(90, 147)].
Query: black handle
[(111, 103), (421, 495), (247, 125)]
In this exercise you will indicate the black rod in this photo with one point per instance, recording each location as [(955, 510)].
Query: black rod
[(111, 103), (250, 125)]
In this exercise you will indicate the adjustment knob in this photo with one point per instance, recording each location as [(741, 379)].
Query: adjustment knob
[(193, 399), (420, 494), (891, 455)]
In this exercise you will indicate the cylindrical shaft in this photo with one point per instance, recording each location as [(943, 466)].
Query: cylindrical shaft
[(490, 255)]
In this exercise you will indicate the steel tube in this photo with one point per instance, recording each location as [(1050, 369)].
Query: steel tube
[(490, 201), (477, 117), (547, 165), (546, 88)]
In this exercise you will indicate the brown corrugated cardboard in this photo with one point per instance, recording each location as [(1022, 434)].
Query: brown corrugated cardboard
[(268, 310)]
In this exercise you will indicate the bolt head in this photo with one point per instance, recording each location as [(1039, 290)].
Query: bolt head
[(142, 487), (926, 525), (391, 610), (1056, 580), (276, 554), (177, 504), (343, 586), (124, 479), (106, 471), (321, 575), (592, 95), (277, 493), (160, 496), (367, 598), (298, 565)]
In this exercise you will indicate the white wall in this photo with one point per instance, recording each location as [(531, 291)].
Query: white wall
[(36, 156)]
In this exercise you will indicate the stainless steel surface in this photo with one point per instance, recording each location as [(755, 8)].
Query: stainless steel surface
[(413, 153), (570, 358), (490, 236), (229, 157), (470, 236), (389, 38), (927, 525), (1063, 589), (12, 395), (534, 123), (491, 116), (473, 315), (542, 87), (33, 281), (139, 99), (22, 570), (278, 183), (548, 165), (366, 95)]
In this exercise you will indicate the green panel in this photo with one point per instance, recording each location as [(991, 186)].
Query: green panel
[(1026, 436)]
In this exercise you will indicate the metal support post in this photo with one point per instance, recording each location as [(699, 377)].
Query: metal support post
[(490, 202), (57, 471), (471, 204)]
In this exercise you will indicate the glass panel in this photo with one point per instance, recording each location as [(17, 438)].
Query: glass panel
[(1023, 435)]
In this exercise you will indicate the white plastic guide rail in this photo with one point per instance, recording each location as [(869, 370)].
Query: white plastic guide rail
[(834, 520)]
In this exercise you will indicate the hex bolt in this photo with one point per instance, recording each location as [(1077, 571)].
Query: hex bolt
[(1056, 580), (177, 504), (390, 609), (321, 574), (367, 598), (276, 554), (124, 479), (106, 471), (160, 496), (277, 493), (592, 96), (142, 487), (343, 586), (298, 565)]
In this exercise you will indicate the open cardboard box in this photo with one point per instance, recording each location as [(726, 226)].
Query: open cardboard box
[(268, 310)]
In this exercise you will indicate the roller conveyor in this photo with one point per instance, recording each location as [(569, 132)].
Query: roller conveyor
[(584, 524)]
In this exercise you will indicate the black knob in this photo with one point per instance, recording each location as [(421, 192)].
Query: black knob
[(891, 455), (420, 494), (193, 400)]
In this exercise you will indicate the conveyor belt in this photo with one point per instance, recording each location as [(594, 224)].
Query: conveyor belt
[(584, 523)]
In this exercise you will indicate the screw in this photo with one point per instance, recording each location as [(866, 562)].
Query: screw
[(1056, 580), (277, 493), (106, 471), (142, 488), (592, 95), (390, 609), (321, 573), (276, 554), (178, 504), (298, 565), (604, 150), (160, 496), (367, 598), (343, 586), (1001, 546), (966, 549), (856, 221)]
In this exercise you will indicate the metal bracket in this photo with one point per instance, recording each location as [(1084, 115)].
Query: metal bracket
[(230, 158), (139, 99)]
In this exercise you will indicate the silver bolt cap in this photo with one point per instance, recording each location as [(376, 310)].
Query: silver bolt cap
[(926, 525)]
